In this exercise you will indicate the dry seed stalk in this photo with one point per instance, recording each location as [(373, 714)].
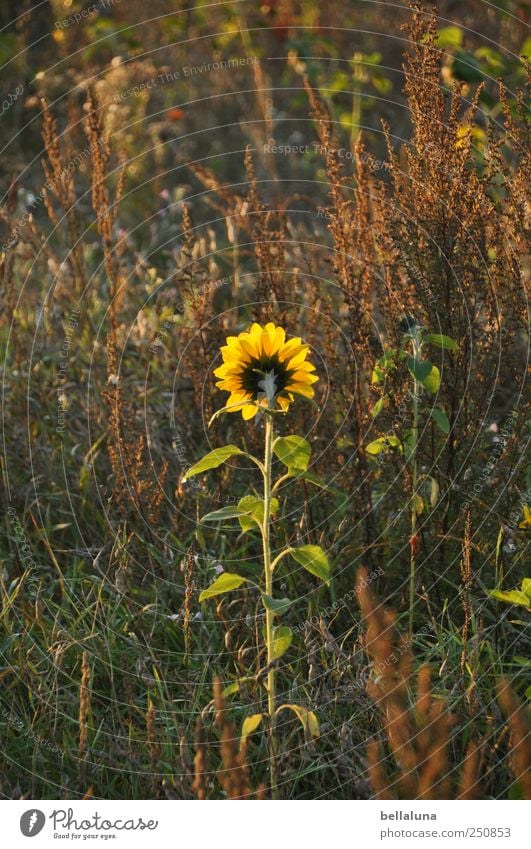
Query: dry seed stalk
[(520, 737), (418, 732), (154, 747), (84, 705)]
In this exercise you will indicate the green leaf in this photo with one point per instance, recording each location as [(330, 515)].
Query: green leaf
[(388, 358), (231, 689), (308, 719), (385, 362), (250, 724), (213, 459), (442, 420), (526, 588), (432, 381), (314, 560), (235, 686), (294, 452), (278, 606), (232, 512), (449, 37), (378, 375), (282, 637), (223, 584), (512, 597), (441, 341), (383, 443), (378, 407), (311, 478), (252, 511), (525, 49), (420, 369)]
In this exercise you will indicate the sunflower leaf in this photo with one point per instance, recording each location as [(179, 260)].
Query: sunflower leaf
[(311, 478), (250, 724), (282, 638), (213, 459), (441, 341), (226, 582), (314, 560), (251, 509), (231, 512), (432, 381), (294, 452), (442, 420), (308, 719), (278, 606), (420, 369)]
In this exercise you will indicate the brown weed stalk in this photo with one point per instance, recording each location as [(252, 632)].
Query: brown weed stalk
[(417, 729)]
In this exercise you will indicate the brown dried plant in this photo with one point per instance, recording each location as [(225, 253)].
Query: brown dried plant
[(59, 165), (154, 747), (355, 262), (233, 773), (268, 235), (136, 485), (417, 729), (188, 569), (84, 705), (519, 720), (106, 209), (450, 238)]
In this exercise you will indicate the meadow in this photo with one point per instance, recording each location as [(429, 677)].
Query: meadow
[(323, 591)]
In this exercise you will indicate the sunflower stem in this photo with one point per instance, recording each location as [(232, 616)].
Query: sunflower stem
[(268, 571)]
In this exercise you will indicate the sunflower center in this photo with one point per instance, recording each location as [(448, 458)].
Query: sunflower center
[(262, 372)]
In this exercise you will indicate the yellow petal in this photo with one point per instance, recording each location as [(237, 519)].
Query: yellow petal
[(306, 366), (230, 385), (266, 340), (228, 368), (232, 353), (280, 338), (291, 349), (299, 358), (283, 403), (303, 377), (301, 389), (249, 411), (250, 344)]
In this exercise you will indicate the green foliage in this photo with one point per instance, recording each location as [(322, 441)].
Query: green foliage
[(307, 718), (282, 638), (252, 511), (294, 452), (520, 597), (313, 559), (226, 582), (214, 459)]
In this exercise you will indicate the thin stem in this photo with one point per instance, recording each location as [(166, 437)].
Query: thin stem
[(279, 557), (280, 481), (268, 571), (414, 478)]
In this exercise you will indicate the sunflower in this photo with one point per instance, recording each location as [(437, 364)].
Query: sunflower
[(261, 370)]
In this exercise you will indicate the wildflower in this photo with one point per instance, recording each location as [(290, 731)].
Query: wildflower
[(261, 369)]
